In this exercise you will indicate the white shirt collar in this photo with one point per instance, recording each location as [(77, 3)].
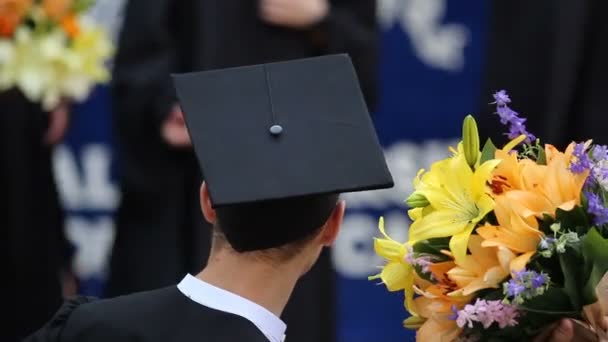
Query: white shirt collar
[(219, 299)]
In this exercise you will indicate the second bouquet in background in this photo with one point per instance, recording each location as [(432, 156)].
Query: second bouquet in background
[(50, 51)]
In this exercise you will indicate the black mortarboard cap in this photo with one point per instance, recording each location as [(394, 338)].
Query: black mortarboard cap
[(294, 133)]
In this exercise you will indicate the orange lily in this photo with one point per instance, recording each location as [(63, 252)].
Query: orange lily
[(514, 232), (438, 327), (434, 306), (480, 270), (486, 267), (11, 14), (536, 189), (56, 9), (562, 187)]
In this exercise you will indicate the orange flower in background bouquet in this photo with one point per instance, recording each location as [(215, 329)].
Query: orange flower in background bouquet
[(51, 51), (504, 241)]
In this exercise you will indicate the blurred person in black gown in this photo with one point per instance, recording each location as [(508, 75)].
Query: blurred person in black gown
[(35, 250), (160, 233), (551, 56)]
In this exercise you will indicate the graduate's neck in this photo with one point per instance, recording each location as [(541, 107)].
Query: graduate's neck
[(263, 283)]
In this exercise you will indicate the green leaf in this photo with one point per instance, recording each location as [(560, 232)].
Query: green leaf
[(82, 5), (595, 255), (542, 156), (554, 301), (585, 201), (575, 220), (571, 262), (488, 151), (433, 247)]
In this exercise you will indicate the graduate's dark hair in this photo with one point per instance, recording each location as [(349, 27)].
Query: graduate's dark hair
[(275, 224)]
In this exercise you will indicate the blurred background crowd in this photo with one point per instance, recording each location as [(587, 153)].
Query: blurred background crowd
[(100, 196)]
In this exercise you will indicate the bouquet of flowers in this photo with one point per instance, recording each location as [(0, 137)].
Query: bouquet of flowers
[(50, 51), (504, 241)]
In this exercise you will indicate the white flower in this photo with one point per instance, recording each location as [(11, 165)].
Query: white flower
[(48, 67), (7, 56)]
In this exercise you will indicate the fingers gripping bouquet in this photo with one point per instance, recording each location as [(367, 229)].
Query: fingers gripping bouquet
[(504, 241), (50, 51)]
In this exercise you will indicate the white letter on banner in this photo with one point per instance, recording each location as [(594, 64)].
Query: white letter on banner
[(93, 239), (90, 190), (436, 44)]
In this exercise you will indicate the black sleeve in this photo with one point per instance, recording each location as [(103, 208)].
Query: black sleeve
[(351, 27), (147, 52), (52, 330)]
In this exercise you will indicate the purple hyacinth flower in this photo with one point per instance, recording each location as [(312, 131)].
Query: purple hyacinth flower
[(539, 280), (486, 312), (521, 276), (507, 115), (597, 209), (600, 152), (454, 315), (519, 129), (546, 242), (582, 162), (424, 262), (502, 98), (510, 117), (515, 288), (600, 172)]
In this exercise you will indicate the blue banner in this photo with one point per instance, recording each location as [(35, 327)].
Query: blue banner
[(430, 72), (430, 79)]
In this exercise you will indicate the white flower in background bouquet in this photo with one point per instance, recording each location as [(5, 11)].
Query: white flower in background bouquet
[(51, 51)]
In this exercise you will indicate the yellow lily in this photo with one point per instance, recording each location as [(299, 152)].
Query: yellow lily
[(458, 199), (397, 274)]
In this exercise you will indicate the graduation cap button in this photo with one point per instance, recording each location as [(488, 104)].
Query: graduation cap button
[(276, 129)]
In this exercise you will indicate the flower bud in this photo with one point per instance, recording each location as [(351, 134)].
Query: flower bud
[(417, 200), (470, 140)]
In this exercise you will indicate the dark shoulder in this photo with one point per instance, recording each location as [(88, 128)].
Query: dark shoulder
[(121, 318), (160, 315)]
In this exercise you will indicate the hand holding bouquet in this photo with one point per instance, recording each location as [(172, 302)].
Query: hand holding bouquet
[(50, 51), (504, 241)]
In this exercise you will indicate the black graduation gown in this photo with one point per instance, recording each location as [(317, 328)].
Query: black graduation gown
[(551, 55), (154, 316), (161, 234), (33, 242)]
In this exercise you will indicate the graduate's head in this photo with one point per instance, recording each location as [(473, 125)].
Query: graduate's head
[(277, 143), (277, 231)]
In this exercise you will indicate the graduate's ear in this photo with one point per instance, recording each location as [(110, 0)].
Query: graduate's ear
[(330, 231), (206, 206)]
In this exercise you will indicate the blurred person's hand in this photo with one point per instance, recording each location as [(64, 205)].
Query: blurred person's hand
[(297, 14), (567, 330), (174, 129), (58, 124), (69, 284)]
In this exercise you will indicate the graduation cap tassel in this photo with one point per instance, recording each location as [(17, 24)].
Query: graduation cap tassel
[(275, 129)]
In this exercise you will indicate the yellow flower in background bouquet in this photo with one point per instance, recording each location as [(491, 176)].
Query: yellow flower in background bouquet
[(51, 51), (504, 241)]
